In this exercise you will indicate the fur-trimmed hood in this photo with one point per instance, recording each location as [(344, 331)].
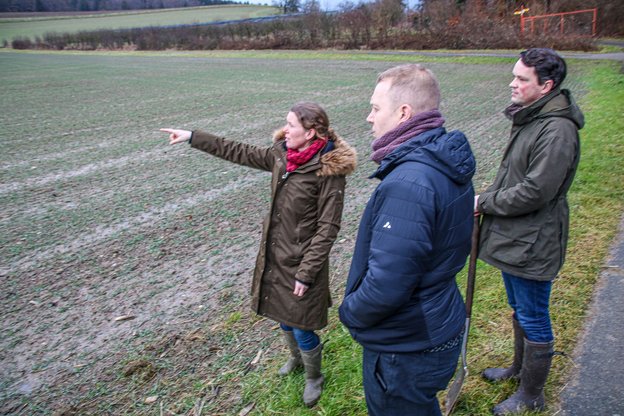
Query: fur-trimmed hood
[(339, 158)]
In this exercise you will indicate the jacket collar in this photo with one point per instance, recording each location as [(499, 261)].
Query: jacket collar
[(446, 152), (395, 158), (337, 158), (557, 103)]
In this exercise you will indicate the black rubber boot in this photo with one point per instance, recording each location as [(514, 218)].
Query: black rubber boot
[(295, 357), (535, 368), (497, 374), (314, 378)]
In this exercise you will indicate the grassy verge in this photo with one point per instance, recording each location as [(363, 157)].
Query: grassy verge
[(596, 202), (610, 49)]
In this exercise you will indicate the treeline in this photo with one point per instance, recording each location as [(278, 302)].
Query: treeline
[(7, 6), (382, 24)]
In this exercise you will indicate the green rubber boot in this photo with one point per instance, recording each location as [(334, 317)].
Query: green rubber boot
[(535, 369), (314, 378), (294, 361)]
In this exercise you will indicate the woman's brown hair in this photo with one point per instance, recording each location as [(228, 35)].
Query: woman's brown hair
[(312, 116)]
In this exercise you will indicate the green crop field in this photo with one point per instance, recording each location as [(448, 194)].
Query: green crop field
[(125, 263), (11, 28)]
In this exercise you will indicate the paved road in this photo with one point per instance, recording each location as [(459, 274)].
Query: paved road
[(615, 56), (597, 384)]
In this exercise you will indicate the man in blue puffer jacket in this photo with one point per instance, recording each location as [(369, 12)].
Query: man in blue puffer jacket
[(402, 303)]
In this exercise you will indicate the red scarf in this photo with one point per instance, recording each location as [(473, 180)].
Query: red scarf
[(295, 158)]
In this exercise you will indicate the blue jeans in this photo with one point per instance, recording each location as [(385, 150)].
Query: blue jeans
[(407, 384), (530, 301), (307, 340)]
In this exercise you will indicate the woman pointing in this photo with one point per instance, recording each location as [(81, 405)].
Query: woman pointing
[(290, 285)]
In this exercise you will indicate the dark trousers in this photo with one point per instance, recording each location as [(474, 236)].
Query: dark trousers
[(407, 384)]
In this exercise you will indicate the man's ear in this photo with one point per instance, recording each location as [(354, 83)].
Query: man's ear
[(406, 112), (547, 86)]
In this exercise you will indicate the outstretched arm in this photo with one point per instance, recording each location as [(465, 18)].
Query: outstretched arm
[(230, 150)]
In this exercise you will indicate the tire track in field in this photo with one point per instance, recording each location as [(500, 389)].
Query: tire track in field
[(184, 119), (137, 157), (7, 165), (145, 219), (155, 124), (35, 182), (88, 169)]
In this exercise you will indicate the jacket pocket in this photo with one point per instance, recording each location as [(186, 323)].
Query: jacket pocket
[(379, 373), (514, 246)]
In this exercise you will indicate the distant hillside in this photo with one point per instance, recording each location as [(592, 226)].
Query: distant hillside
[(98, 5), (37, 26)]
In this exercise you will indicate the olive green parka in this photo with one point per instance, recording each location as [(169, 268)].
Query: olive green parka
[(526, 216), (300, 228)]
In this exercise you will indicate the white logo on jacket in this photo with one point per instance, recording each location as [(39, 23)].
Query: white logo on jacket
[(387, 225)]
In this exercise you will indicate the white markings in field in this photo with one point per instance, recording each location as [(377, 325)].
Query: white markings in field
[(7, 165), (145, 219), (81, 171)]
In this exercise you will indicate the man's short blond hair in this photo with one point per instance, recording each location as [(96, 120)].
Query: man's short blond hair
[(413, 84)]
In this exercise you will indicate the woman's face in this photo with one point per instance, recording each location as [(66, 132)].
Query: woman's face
[(297, 137)]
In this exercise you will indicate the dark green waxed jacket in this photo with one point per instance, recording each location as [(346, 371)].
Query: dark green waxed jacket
[(525, 212), (300, 228)]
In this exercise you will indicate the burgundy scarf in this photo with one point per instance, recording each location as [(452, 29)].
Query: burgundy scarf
[(419, 123), (295, 158)]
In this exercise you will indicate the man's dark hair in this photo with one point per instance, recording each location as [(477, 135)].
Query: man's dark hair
[(547, 63)]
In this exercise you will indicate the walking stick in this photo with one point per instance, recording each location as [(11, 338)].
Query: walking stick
[(453, 393)]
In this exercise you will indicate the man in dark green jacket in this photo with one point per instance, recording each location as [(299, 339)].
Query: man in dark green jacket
[(525, 216)]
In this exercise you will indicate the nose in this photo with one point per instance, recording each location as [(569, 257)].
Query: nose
[(370, 117)]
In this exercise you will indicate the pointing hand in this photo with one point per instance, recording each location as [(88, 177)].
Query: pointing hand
[(177, 136)]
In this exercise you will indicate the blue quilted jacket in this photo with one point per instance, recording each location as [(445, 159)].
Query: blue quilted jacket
[(414, 237)]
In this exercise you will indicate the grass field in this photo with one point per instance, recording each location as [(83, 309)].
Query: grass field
[(125, 263), (11, 28)]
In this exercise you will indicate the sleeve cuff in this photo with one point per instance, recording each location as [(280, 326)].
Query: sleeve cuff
[(308, 284)]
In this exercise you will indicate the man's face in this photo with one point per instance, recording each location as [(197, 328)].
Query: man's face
[(385, 115), (525, 88)]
